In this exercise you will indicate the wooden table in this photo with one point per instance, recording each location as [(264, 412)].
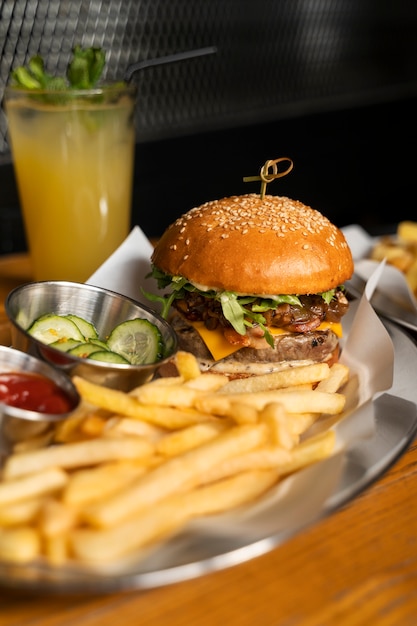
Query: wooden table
[(356, 567)]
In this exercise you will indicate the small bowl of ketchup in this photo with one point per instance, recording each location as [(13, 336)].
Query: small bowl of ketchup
[(30, 389)]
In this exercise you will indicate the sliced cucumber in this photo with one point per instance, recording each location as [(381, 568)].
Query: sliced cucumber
[(86, 328), (108, 357), (84, 350), (99, 344), (50, 328), (65, 345), (138, 341)]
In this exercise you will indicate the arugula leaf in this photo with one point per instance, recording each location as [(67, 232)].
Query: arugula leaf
[(271, 303), (234, 307), (176, 283), (328, 295), (233, 311)]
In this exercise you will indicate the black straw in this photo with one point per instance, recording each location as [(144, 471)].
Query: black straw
[(170, 58)]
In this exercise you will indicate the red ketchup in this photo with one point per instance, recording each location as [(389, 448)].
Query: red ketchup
[(33, 392)]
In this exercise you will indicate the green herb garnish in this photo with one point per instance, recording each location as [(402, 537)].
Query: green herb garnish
[(83, 72), (235, 308)]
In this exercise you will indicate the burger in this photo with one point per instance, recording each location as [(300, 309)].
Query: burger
[(252, 284)]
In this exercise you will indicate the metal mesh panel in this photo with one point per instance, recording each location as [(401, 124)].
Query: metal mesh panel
[(275, 57)]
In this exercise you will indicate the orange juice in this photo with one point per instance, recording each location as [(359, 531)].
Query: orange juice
[(74, 168)]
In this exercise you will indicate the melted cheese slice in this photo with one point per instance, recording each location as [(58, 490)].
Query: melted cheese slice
[(220, 348)]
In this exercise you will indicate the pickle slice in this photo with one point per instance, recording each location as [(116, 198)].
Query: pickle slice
[(136, 341), (83, 350), (51, 328), (65, 345), (108, 357), (139, 341), (86, 328)]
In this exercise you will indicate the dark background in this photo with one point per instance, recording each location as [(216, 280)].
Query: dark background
[(332, 84)]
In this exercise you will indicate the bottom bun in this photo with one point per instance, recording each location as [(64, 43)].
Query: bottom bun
[(291, 349)]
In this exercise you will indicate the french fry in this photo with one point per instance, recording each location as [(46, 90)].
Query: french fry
[(242, 413), (68, 429), (20, 512), (112, 400), (56, 518), (288, 377), (37, 481), (298, 401), (396, 255), (400, 251), (187, 438), (338, 376), (87, 486), (106, 545), (310, 451), (73, 455), (179, 396), (93, 425), (173, 418), (284, 461), (177, 474), (128, 469), (411, 276), (407, 231), (128, 405), (229, 493), (266, 458), (56, 549), (125, 426), (187, 365), (168, 516), (182, 395), (300, 422), (207, 382), (19, 545), (275, 416)]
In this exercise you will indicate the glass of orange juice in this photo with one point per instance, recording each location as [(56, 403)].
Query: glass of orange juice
[(73, 156)]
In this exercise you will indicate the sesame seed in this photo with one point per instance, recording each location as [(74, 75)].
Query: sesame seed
[(238, 215)]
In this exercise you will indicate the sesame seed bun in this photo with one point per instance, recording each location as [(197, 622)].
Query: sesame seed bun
[(253, 245)]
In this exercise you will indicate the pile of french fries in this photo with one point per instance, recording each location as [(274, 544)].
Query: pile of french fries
[(400, 251), (128, 470)]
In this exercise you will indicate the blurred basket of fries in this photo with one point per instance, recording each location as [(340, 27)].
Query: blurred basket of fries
[(128, 470), (400, 250)]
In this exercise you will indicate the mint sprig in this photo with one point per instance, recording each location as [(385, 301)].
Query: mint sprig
[(83, 72), (86, 68)]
